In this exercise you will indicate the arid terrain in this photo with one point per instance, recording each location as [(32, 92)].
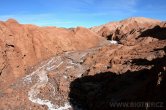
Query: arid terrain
[(51, 68)]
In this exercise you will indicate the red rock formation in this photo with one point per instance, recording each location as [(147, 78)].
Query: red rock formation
[(22, 46), (131, 71), (124, 26)]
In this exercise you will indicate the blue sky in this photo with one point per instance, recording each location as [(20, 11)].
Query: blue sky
[(72, 13)]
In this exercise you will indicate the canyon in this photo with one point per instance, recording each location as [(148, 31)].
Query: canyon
[(51, 68)]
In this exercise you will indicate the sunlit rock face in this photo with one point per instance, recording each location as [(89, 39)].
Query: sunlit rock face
[(23, 46), (48, 68), (125, 31)]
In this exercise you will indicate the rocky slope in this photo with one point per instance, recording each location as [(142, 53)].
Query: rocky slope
[(113, 29), (93, 79), (23, 46)]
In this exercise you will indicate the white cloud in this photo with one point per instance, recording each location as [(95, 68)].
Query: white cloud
[(119, 4), (88, 2), (95, 8)]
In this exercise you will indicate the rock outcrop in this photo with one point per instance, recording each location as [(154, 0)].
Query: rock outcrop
[(123, 27), (96, 78), (23, 46)]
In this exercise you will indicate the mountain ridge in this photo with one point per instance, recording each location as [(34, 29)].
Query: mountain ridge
[(49, 68)]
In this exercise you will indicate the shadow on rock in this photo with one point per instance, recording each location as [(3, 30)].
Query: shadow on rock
[(156, 32), (105, 91)]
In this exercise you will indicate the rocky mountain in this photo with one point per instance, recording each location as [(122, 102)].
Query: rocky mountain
[(23, 46), (123, 27), (76, 69)]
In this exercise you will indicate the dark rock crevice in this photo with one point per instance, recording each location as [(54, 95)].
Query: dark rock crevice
[(156, 32), (10, 45), (2, 69)]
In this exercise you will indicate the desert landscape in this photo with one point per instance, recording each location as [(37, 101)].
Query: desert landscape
[(52, 68)]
